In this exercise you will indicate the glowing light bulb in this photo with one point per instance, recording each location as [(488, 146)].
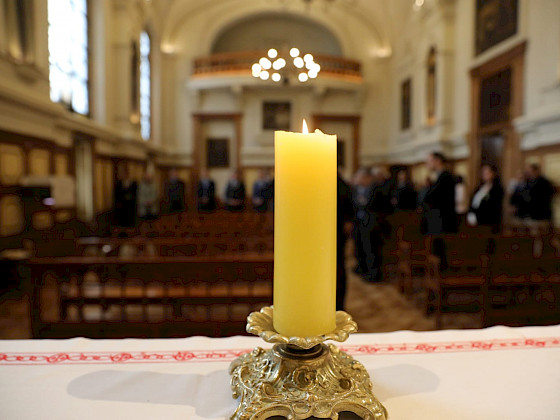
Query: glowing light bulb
[(272, 53), (265, 63), (264, 75), (303, 77), (312, 74), (308, 57), (298, 62), (294, 52), (276, 77)]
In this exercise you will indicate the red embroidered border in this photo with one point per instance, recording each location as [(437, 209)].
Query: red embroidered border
[(227, 355)]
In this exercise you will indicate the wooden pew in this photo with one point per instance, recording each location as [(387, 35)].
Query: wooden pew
[(147, 297), (524, 282), (461, 287), (167, 247)]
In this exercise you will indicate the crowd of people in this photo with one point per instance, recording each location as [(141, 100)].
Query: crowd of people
[(443, 205), (364, 205), (135, 201)]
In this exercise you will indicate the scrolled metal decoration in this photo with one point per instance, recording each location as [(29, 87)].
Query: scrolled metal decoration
[(301, 377)]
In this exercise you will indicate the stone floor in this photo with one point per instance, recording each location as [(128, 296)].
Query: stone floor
[(376, 307)]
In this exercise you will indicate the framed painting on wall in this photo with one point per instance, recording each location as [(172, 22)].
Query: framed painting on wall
[(496, 20), (217, 153), (276, 115)]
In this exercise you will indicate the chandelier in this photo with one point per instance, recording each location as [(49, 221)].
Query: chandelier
[(278, 66)]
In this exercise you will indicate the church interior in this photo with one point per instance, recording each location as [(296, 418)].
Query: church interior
[(137, 161)]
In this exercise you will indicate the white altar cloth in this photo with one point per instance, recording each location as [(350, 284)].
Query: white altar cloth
[(495, 373)]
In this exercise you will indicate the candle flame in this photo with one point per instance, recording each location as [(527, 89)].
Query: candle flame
[(305, 130)]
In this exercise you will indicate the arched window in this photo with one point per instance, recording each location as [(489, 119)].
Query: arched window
[(68, 53), (145, 86), (431, 86)]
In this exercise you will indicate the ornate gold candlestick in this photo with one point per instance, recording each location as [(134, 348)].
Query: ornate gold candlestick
[(301, 377)]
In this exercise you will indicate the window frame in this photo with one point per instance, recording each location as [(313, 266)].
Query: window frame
[(88, 53), (149, 58)]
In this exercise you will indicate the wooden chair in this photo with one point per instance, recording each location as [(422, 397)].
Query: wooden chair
[(524, 283), (461, 286)]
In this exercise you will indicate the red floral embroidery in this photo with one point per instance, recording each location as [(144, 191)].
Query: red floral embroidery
[(227, 355)]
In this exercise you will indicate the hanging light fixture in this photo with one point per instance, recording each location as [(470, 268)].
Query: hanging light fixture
[(280, 65)]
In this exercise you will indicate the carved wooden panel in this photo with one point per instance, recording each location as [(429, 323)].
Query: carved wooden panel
[(39, 162), (11, 215), (61, 164), (12, 164)]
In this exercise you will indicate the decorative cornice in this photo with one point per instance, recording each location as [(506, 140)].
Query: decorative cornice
[(539, 129)]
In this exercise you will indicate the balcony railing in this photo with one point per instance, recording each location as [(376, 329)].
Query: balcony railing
[(239, 63)]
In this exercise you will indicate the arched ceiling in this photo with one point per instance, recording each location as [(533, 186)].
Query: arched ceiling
[(277, 30), (363, 27)]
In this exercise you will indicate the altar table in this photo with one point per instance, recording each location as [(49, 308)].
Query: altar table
[(494, 373)]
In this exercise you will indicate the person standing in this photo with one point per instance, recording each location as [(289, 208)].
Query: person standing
[(174, 195), (124, 198), (361, 199), (461, 203), (486, 206), (439, 205), (403, 197), (380, 208), (345, 213), (206, 192), (235, 192), (261, 191), (147, 197), (541, 192)]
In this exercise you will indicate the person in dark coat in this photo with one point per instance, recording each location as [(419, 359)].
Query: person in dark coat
[(439, 205), (235, 192), (124, 198), (362, 195), (174, 193), (206, 193), (403, 197), (439, 200), (541, 192), (262, 192), (520, 196), (345, 213), (486, 205), (380, 207)]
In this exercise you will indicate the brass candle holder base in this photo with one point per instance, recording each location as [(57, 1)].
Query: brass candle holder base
[(301, 377)]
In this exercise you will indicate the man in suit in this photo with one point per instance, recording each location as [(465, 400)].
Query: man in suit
[(404, 196), (345, 213), (362, 195), (206, 192), (380, 208), (235, 192), (124, 198), (261, 191), (439, 205), (174, 193), (541, 192)]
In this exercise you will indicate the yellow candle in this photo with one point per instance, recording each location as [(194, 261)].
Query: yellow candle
[(305, 200)]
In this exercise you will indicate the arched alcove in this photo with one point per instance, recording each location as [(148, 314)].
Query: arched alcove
[(263, 31)]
